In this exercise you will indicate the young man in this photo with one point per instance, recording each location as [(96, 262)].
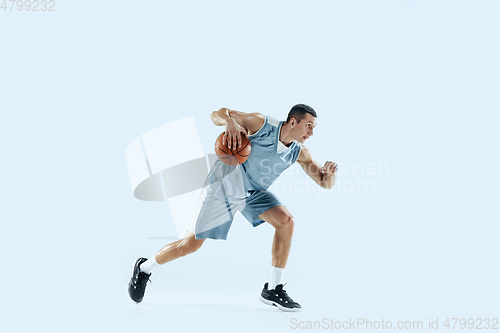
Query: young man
[(275, 146)]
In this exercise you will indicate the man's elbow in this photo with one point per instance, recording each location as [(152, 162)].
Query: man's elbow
[(215, 115)]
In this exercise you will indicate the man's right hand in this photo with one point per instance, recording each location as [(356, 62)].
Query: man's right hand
[(233, 134)]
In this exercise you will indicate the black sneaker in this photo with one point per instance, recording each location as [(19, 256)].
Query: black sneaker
[(279, 298), (138, 281)]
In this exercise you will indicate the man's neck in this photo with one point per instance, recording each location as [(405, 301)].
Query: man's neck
[(285, 135)]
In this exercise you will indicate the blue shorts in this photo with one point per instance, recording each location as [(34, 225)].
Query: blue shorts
[(256, 203)]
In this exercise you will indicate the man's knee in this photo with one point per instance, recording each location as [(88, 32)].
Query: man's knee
[(191, 245), (286, 222)]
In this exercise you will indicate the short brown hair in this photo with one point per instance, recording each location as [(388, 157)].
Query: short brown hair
[(299, 112)]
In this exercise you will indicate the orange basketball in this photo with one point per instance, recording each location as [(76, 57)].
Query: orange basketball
[(232, 156)]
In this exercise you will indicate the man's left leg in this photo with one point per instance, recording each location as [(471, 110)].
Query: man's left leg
[(273, 294)]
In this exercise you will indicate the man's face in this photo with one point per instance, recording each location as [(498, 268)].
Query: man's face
[(305, 129)]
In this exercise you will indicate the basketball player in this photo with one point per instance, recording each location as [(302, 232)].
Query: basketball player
[(275, 146)]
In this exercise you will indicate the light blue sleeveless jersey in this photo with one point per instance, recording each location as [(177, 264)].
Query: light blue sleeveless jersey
[(265, 164)]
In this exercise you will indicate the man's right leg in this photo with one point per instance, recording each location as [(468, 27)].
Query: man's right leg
[(137, 285)]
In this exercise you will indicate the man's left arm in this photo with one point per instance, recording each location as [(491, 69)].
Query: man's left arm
[(324, 176)]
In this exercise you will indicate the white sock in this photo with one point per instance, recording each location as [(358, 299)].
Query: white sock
[(148, 266), (276, 277)]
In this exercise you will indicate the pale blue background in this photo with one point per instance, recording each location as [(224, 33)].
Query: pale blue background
[(414, 84)]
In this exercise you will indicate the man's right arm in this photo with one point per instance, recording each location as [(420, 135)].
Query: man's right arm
[(237, 123)]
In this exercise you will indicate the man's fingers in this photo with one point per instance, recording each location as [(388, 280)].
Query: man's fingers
[(330, 167), (233, 139), (243, 134)]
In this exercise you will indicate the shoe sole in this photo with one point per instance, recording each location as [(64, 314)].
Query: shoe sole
[(282, 308)]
